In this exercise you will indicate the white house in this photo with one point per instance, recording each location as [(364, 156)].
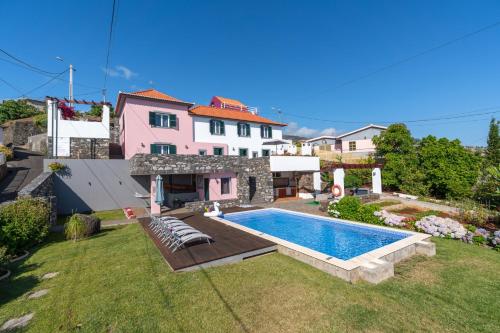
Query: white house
[(358, 141)]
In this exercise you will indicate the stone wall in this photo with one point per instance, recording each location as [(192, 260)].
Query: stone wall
[(199, 206), (114, 131), (306, 183), (81, 148), (43, 187), (245, 168), (16, 132), (3, 166)]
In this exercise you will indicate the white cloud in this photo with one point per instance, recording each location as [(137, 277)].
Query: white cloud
[(293, 128), (121, 71)]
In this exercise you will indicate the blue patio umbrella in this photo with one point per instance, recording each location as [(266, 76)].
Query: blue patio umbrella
[(160, 196)]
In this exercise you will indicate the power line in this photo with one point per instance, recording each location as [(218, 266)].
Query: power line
[(25, 63), (407, 59), (43, 85), (45, 74), (11, 85), (456, 116), (106, 72)]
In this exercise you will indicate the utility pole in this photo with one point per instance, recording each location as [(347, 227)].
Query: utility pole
[(70, 84)]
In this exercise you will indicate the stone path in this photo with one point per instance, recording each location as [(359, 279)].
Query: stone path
[(50, 275), (38, 294), (111, 223), (16, 322), (22, 170)]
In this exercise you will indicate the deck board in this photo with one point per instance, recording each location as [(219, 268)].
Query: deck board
[(228, 242)]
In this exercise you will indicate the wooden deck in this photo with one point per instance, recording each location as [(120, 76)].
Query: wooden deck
[(230, 244)]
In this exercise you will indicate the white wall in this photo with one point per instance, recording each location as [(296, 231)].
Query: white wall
[(77, 128), (231, 138), (294, 163)]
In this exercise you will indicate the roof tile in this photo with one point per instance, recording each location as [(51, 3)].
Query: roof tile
[(223, 113)]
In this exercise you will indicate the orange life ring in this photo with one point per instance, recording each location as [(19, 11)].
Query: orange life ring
[(336, 190)]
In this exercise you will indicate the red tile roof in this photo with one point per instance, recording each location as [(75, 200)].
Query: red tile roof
[(213, 112), (152, 93), (230, 101)]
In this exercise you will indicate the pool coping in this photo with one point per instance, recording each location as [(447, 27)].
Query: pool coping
[(349, 264)]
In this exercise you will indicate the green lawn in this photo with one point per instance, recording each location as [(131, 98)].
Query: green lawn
[(118, 282), (104, 215)]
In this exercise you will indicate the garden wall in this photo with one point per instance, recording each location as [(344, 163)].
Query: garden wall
[(94, 185), (42, 187), (3, 166), (16, 132)]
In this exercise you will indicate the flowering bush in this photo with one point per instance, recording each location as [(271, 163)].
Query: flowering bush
[(390, 219), (67, 111), (495, 240), (9, 154), (441, 227), (56, 166)]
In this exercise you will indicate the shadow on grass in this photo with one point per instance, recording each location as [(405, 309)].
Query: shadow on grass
[(16, 286)]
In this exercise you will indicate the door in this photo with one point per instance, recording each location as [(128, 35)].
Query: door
[(252, 183), (206, 188)]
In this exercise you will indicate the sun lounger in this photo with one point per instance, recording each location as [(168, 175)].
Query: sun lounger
[(184, 240)]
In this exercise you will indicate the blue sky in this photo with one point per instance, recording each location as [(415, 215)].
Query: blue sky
[(290, 55)]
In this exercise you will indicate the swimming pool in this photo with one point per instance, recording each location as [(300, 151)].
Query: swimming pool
[(336, 238), (352, 251)]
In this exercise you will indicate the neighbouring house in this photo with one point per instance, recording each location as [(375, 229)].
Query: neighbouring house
[(77, 138), (356, 143)]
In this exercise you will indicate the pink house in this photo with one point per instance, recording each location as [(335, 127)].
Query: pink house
[(155, 123)]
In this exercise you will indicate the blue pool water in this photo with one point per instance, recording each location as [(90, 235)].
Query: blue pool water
[(338, 239)]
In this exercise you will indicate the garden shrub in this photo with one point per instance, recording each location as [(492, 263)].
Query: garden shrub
[(3, 255), (9, 154), (350, 208), (80, 226), (352, 181), (23, 223)]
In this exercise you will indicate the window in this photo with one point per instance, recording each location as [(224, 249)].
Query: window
[(217, 127), (265, 152), (266, 132), (202, 152), (225, 185), (243, 129), (164, 120), (352, 145), (255, 154), (218, 151), (243, 152), (159, 148)]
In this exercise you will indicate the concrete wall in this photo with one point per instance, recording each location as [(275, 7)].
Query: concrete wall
[(94, 185)]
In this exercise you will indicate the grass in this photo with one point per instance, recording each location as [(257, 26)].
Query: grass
[(313, 203), (117, 281), (105, 215), (108, 215), (385, 203)]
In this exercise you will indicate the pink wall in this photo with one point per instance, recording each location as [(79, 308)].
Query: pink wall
[(137, 135), (361, 146), (215, 186)]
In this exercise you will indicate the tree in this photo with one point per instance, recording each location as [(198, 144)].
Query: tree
[(492, 156), (11, 109), (96, 111), (398, 150), (450, 169), (487, 189)]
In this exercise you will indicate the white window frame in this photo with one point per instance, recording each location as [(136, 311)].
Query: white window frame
[(217, 127), (352, 143), (164, 148), (265, 132)]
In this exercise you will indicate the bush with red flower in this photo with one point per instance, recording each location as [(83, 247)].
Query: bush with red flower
[(67, 112)]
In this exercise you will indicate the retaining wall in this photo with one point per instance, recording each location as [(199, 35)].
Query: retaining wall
[(95, 185), (3, 166), (42, 187), (199, 206)]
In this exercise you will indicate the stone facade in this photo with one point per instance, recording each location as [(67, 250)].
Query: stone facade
[(306, 183), (255, 182), (199, 206), (16, 132), (83, 148), (43, 187)]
